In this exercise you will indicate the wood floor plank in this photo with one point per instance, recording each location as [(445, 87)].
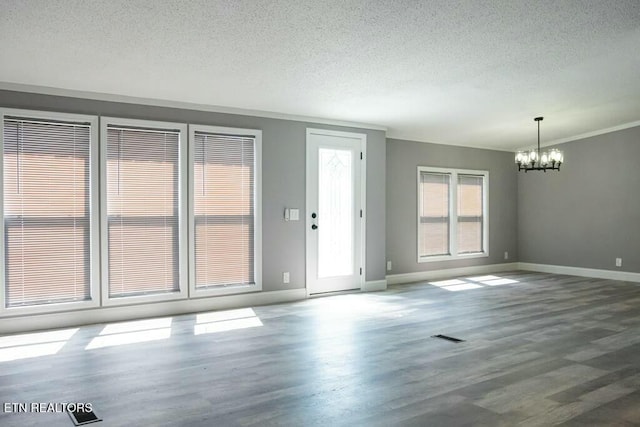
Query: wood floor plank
[(539, 349)]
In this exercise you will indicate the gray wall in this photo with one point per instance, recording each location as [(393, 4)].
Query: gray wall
[(403, 158), (283, 176), (587, 214)]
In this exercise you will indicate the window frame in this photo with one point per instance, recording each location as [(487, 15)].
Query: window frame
[(194, 292), (182, 257), (453, 214), (94, 217)]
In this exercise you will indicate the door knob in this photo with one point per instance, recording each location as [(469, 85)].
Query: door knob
[(314, 227)]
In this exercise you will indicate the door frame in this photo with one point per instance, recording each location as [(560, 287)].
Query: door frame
[(362, 244)]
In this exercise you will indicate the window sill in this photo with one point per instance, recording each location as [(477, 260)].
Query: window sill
[(452, 257), (142, 299), (224, 290), (48, 308)]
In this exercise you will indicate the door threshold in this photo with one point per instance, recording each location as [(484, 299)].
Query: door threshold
[(332, 293)]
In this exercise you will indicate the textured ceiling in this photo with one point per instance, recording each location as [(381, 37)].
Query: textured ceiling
[(471, 73)]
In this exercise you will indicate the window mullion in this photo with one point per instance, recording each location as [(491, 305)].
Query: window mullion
[(453, 214)]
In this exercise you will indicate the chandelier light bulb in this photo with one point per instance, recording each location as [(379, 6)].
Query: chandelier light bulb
[(544, 159), (556, 155)]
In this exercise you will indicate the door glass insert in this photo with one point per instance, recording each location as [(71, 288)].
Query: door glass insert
[(335, 213)]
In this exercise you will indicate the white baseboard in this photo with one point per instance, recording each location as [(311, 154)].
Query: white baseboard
[(579, 271), (33, 322), (159, 309), (375, 285), (419, 276)]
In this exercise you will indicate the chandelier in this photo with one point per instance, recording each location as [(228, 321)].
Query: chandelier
[(535, 160)]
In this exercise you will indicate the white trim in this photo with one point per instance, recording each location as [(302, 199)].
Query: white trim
[(374, 286), (579, 271), (45, 90), (94, 260), (182, 293), (256, 134), (409, 138), (120, 313), (586, 135), (453, 214), (309, 202), (363, 207), (399, 137), (419, 276), (20, 323), (336, 133), (3, 302)]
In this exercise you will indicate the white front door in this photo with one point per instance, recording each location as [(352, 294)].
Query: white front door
[(334, 211)]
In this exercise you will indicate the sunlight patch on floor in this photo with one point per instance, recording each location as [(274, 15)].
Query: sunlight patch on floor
[(25, 346), (478, 282), (357, 306), (448, 282), (138, 325), (498, 282), (229, 320), (132, 333), (464, 287)]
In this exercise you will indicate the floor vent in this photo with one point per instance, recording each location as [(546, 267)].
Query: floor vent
[(81, 418), (444, 337)]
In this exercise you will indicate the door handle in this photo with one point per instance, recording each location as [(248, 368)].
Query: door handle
[(314, 227)]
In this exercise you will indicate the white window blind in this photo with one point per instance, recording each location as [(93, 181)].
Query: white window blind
[(470, 213), (46, 211), (434, 214), (224, 209), (142, 210)]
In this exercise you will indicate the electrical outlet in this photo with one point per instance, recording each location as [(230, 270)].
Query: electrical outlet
[(388, 265), (506, 255), (618, 262), (285, 277)]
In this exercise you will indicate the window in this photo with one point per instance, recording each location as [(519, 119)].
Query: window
[(48, 209), (142, 181), (225, 209), (133, 216), (452, 213), (434, 213), (470, 214)]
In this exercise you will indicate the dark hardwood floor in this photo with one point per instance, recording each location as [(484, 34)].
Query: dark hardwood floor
[(539, 350)]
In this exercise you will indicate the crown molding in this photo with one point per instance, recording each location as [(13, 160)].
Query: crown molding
[(98, 96), (586, 135)]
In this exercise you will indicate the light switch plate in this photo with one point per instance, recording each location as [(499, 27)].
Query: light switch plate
[(294, 214)]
